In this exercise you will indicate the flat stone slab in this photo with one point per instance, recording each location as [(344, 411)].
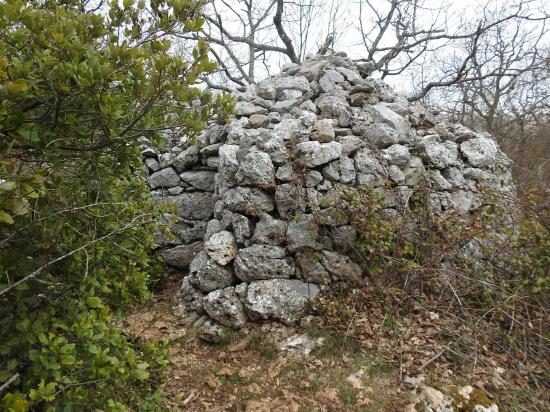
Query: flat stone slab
[(262, 262), (282, 299), (312, 154), (181, 256)]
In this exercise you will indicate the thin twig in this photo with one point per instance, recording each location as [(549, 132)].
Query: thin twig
[(8, 382), (432, 359), (72, 252)]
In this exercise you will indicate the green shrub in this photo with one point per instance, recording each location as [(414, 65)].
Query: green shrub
[(79, 88), (490, 267)]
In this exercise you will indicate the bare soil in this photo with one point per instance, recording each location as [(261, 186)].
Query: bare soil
[(362, 363)]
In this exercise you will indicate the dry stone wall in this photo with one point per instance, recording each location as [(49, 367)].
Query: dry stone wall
[(256, 196)]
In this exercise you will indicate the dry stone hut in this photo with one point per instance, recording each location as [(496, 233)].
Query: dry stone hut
[(258, 235)]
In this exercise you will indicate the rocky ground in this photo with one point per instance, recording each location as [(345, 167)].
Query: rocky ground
[(363, 360)]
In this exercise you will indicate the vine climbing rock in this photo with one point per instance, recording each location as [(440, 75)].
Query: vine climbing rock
[(260, 228)]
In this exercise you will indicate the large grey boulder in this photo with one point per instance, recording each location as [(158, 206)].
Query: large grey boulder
[(454, 177), (464, 201), (224, 306), (438, 181), (414, 171), (285, 105), (266, 89), (311, 269), (293, 83), (287, 128), (336, 107), (290, 199), (289, 95), (396, 154), (282, 299), (270, 231), (191, 296), (352, 76), (152, 164), (341, 267), (322, 131), (221, 247), (207, 275), (366, 162), (344, 238), (480, 152), (262, 262), (441, 155), (200, 179), (248, 201), (211, 331), (247, 108), (312, 178), (302, 233), (277, 150), (381, 113), (285, 173), (186, 158), (256, 169), (213, 134), (242, 227), (379, 135), (312, 154), (189, 231), (331, 81), (196, 205), (164, 178), (210, 150), (350, 144), (258, 120), (340, 171), (227, 167), (181, 256)]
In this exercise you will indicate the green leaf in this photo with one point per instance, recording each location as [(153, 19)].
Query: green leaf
[(5, 218), (43, 339), (35, 395), (16, 87), (7, 186), (94, 302), (140, 374), (67, 359)]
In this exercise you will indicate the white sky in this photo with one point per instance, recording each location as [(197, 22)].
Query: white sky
[(449, 13)]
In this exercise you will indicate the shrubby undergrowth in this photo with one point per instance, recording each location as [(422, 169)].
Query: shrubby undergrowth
[(78, 88), (489, 269)]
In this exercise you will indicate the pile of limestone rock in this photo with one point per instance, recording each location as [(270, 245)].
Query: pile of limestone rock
[(257, 230)]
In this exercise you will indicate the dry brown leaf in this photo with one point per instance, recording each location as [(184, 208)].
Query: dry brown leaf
[(328, 396), (241, 345), (213, 382), (225, 371), (256, 406)]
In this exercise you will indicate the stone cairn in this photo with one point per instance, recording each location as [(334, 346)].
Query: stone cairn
[(257, 230)]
